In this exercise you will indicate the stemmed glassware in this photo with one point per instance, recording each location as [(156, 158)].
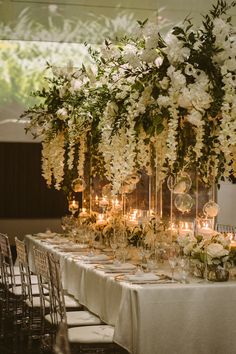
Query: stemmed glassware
[(113, 244), (151, 262), (173, 261), (122, 243), (184, 263), (91, 238)]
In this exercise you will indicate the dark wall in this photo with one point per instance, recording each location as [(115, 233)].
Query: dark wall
[(23, 191)]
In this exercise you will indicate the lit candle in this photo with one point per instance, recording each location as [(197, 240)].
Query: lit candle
[(204, 228), (73, 205), (132, 219), (185, 228), (233, 245), (101, 220), (104, 202), (83, 212)]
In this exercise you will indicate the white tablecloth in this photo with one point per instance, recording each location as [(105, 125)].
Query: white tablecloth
[(155, 319)]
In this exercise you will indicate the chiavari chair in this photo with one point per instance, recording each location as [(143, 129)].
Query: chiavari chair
[(85, 336)]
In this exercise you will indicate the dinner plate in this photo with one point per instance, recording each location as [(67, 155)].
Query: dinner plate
[(45, 235), (119, 268)]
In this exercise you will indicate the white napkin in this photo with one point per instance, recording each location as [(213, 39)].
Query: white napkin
[(142, 277)]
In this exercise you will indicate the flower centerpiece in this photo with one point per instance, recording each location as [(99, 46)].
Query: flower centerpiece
[(211, 253)]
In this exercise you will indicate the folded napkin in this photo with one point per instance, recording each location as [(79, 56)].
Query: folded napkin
[(120, 267), (141, 277)]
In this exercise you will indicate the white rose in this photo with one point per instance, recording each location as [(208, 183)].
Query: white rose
[(62, 113), (216, 250), (158, 62)]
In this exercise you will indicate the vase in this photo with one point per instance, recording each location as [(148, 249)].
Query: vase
[(216, 273), (199, 270)]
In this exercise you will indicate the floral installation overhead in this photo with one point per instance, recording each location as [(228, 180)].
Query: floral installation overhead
[(147, 103)]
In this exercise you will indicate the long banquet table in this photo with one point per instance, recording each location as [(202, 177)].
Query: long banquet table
[(171, 318)]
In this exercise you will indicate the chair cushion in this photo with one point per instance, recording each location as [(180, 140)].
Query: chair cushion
[(79, 318), (36, 302), (17, 290), (34, 279), (16, 270), (91, 334), (71, 302)]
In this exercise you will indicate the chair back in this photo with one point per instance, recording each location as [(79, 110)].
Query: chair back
[(58, 301), (62, 345), (6, 263), (226, 228), (25, 273), (43, 274)]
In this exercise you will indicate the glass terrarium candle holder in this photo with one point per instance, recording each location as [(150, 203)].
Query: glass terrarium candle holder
[(205, 226), (186, 228)]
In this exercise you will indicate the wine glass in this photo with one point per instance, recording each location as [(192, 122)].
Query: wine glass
[(184, 263), (151, 262), (173, 261), (122, 243), (113, 245)]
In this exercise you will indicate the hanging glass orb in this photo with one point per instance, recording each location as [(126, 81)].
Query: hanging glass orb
[(106, 190), (183, 183), (211, 209), (78, 185), (184, 203), (134, 178), (170, 183), (127, 188)]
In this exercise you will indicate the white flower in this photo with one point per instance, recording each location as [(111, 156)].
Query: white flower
[(185, 98), (164, 83), (216, 250), (195, 118), (163, 101), (175, 50), (75, 85), (110, 52), (148, 55), (221, 30), (151, 42), (178, 80), (130, 55), (62, 113), (158, 61), (189, 70)]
